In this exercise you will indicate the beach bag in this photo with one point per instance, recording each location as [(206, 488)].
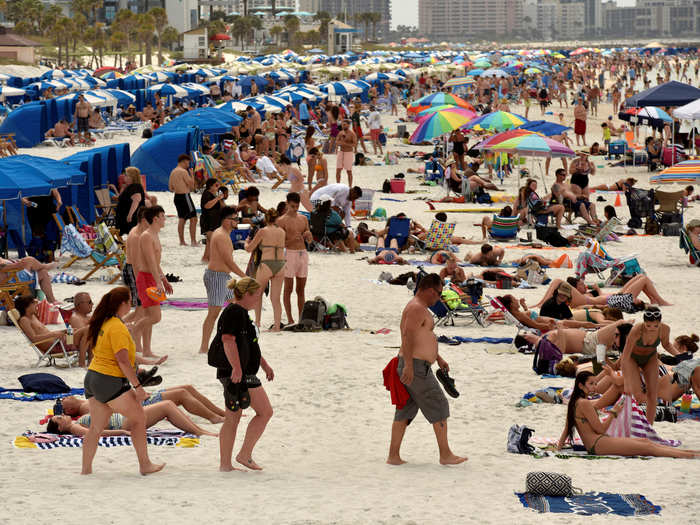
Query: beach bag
[(651, 227), (671, 229), (551, 236), (483, 198), (546, 357), (47, 313), (549, 484), (518, 436), (314, 311), (43, 383), (386, 187), (336, 318), (474, 289)]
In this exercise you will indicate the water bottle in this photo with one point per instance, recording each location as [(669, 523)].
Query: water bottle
[(685, 403), (69, 335)]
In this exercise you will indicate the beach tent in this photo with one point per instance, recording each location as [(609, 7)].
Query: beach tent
[(690, 111), (208, 120), (669, 94), (157, 157), (28, 123), (101, 167)]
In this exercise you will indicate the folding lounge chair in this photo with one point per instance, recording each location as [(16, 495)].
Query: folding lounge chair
[(687, 246), (317, 225), (72, 242), (433, 171), (509, 318), (57, 350), (504, 228), (362, 207), (537, 219), (106, 209), (399, 229), (669, 208), (601, 234), (440, 235), (446, 316), (595, 259), (12, 285)]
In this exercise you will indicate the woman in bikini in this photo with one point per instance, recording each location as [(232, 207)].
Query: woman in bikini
[(318, 166), (620, 185), (309, 144), (271, 268), (640, 355), (582, 416)]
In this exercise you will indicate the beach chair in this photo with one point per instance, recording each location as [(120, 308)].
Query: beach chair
[(596, 260), (451, 307), (601, 234), (686, 245), (504, 228), (509, 318), (12, 285), (433, 171), (440, 235), (57, 350), (105, 209), (317, 225), (73, 243), (669, 207), (534, 217), (399, 229), (641, 205), (362, 207)]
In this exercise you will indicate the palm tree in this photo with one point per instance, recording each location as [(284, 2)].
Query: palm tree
[(366, 19), (324, 18), (291, 24), (126, 22), (160, 22), (240, 28), (276, 32), (170, 36), (117, 41), (374, 18), (245, 7), (144, 32), (255, 24)]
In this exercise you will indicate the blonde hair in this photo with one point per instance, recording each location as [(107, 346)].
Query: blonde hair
[(133, 175), (243, 286)]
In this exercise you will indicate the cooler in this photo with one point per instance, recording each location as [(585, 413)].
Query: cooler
[(398, 185)]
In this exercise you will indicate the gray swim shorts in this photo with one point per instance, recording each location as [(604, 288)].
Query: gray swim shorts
[(104, 388), (426, 395), (217, 291)]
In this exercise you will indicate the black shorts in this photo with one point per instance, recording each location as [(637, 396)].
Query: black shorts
[(130, 282), (184, 206), (104, 388), (83, 124), (458, 148), (580, 180)]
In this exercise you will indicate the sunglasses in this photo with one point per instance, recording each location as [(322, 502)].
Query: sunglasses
[(652, 316)]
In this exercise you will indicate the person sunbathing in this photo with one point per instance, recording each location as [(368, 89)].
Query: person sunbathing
[(604, 316), (526, 317), (36, 331), (384, 255), (487, 256), (61, 130), (120, 425), (577, 341), (26, 267), (185, 396), (693, 230), (626, 300), (582, 417), (451, 270), (620, 185)]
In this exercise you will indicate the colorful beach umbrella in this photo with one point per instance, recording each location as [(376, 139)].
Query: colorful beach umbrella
[(527, 144), (650, 115), (434, 109), (438, 99), (684, 172), (458, 81), (440, 123), (497, 121)]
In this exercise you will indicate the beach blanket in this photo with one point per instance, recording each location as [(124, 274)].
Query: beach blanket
[(531, 398), (66, 278), (74, 243), (631, 421), (168, 438), (186, 304), (591, 503), (490, 340), (17, 394)]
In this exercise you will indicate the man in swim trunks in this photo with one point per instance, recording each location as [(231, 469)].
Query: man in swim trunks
[(580, 115), (346, 142), (296, 229), (82, 118), (150, 273), (419, 350), (218, 272), (181, 183)]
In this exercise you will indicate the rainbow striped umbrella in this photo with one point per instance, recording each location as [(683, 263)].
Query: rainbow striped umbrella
[(440, 123), (686, 171), (526, 144), (497, 121), (432, 109), (438, 99)]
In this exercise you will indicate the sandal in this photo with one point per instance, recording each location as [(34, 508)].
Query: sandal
[(448, 383), (149, 378)]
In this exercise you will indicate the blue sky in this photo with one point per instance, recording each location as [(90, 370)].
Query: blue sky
[(405, 12)]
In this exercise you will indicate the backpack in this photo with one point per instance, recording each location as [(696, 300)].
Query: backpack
[(546, 356), (483, 198), (386, 187), (518, 436), (314, 311), (337, 319)]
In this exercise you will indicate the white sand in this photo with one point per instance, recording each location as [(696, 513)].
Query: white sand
[(325, 447)]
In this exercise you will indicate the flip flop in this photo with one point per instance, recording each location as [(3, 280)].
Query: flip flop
[(448, 340), (448, 383), (149, 378)]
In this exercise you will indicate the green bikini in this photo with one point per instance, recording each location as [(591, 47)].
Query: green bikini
[(643, 359)]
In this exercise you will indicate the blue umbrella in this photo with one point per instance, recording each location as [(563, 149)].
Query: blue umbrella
[(475, 72), (26, 175), (544, 127), (248, 80), (208, 120)]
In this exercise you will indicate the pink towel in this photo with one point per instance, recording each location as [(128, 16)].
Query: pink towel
[(631, 421)]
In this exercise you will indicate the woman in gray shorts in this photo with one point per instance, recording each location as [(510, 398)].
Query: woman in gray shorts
[(110, 378)]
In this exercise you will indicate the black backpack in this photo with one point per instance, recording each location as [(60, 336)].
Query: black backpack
[(336, 321), (314, 311), (386, 187)]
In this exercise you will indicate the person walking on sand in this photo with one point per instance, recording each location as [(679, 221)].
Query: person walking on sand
[(580, 115), (181, 183), (150, 273), (129, 272), (419, 350), (218, 272), (346, 142), (235, 352), (296, 229)]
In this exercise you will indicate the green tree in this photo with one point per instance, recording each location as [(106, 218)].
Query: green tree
[(240, 28), (126, 22), (170, 36), (116, 42), (276, 33), (374, 19), (160, 22), (324, 18), (255, 24), (291, 24), (144, 33)]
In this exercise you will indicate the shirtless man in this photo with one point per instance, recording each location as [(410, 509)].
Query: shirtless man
[(148, 113), (96, 121), (487, 256), (218, 272), (346, 142), (150, 273), (82, 118), (61, 131), (79, 319), (419, 350), (580, 115), (181, 183), (129, 273), (296, 229)]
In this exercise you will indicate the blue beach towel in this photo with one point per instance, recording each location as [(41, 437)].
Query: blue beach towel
[(17, 394), (591, 503)]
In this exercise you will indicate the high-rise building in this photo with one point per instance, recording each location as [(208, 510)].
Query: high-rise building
[(356, 7), (310, 6), (460, 19), (592, 15)]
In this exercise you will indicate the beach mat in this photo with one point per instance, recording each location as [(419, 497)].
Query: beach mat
[(17, 394), (467, 210), (591, 503), (188, 304), (165, 438)]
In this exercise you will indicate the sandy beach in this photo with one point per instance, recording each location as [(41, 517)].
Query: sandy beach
[(325, 448)]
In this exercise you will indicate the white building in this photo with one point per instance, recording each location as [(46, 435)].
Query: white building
[(182, 14), (195, 44)]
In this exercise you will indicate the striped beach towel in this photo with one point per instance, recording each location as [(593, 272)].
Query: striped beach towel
[(175, 438), (632, 422)]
